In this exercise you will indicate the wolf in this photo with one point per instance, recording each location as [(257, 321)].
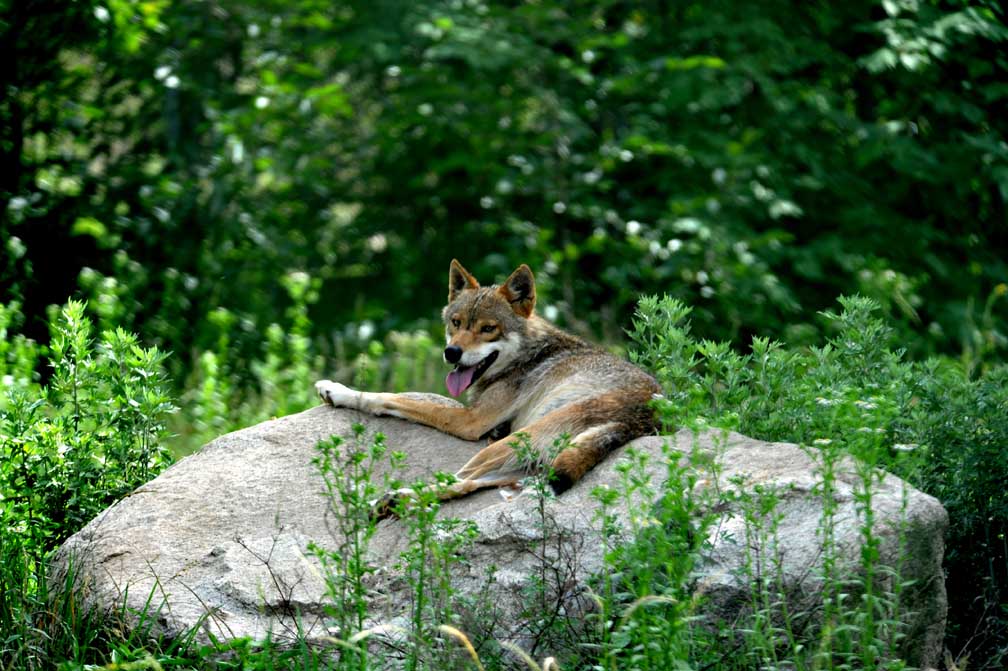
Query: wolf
[(527, 381)]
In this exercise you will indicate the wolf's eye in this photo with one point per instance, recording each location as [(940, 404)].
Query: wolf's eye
[(456, 323), (488, 328)]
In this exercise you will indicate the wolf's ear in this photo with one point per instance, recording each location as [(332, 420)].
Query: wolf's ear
[(459, 279), (519, 291)]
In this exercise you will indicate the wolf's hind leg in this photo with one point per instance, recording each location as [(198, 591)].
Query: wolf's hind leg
[(495, 459), (497, 464), (493, 466), (586, 450), (588, 446), (390, 502)]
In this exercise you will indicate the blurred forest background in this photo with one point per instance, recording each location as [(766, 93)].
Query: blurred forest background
[(175, 161), (272, 191)]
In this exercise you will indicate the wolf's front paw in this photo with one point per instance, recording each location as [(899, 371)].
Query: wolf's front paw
[(337, 394)]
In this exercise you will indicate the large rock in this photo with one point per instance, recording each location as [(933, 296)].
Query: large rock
[(219, 539)]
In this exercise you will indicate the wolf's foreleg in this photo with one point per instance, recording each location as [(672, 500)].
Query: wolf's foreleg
[(459, 421)]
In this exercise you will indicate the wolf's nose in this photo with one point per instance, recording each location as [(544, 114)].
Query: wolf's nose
[(452, 353)]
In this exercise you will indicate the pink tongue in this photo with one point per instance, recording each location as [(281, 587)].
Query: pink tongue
[(459, 380)]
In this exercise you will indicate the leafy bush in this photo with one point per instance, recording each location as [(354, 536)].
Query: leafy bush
[(18, 354), (928, 422), (961, 428), (646, 589), (88, 437), (68, 450)]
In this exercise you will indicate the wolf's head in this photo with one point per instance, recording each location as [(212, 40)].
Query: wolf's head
[(484, 326)]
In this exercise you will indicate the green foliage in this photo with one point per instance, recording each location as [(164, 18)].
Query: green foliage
[(547, 593), (92, 433), (957, 430), (225, 393), (68, 450), (255, 185), (18, 354), (928, 422), (648, 613), (434, 551), (754, 160), (347, 473), (87, 438)]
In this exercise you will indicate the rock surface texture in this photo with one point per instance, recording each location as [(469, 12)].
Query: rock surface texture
[(220, 539)]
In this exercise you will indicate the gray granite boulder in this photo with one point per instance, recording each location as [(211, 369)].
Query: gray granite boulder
[(219, 540)]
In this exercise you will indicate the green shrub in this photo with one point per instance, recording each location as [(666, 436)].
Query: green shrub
[(957, 430), (730, 152), (88, 437), (928, 422), (68, 449), (346, 469), (648, 618)]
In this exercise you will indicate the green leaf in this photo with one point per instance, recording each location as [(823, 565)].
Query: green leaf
[(330, 99), (694, 62), (89, 226)]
